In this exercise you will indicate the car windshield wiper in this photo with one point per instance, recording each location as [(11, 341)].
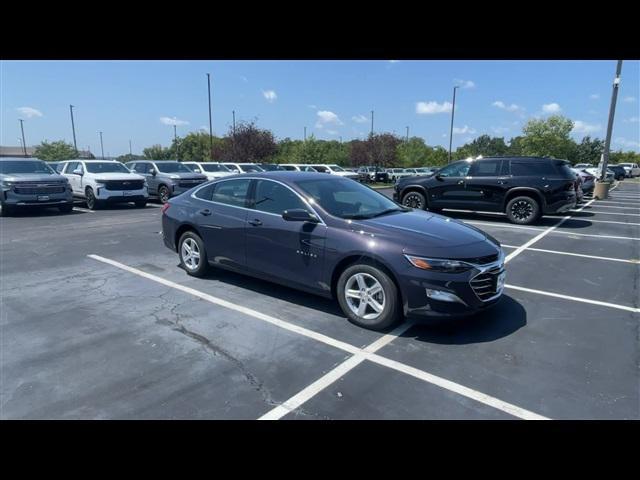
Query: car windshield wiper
[(360, 216)]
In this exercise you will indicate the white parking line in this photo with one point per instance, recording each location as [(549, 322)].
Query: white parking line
[(85, 210), (636, 262), (589, 219), (609, 213), (575, 299), (618, 203), (562, 232), (359, 354), (598, 205)]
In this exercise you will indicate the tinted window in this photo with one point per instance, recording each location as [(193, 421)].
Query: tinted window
[(320, 168), (458, 169), (214, 167), (288, 167), (206, 193), (59, 167), (172, 167), (106, 167), (251, 168), (231, 192), (71, 166), (532, 168), (486, 168), (272, 197), (25, 166)]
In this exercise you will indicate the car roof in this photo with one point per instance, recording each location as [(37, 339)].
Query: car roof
[(288, 175)]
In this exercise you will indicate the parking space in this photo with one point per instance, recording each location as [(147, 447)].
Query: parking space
[(99, 321)]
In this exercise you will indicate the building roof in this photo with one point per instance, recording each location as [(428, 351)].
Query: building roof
[(11, 151)]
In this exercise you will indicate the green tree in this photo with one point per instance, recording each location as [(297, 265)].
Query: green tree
[(158, 152), (623, 157), (55, 151), (548, 138), (588, 151), (484, 145), (248, 144), (129, 158)]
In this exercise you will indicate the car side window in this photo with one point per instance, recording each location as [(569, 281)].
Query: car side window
[(458, 169), (532, 168), (272, 197), (486, 168), (142, 167), (231, 192), (71, 166), (206, 193), (60, 167)]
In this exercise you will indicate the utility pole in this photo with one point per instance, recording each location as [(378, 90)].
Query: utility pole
[(234, 124), (612, 111), (101, 146), (130, 153), (305, 134), (24, 143), (407, 134), (453, 110), (73, 128), (175, 140), (210, 124), (372, 123)]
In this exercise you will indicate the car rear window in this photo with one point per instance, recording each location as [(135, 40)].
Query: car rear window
[(532, 168)]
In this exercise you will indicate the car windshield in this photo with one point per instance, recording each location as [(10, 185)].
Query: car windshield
[(269, 167), (337, 168), (172, 167), (26, 166), (321, 168), (251, 168), (347, 199), (106, 167), (214, 167)]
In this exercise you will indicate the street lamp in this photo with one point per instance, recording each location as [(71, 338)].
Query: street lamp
[(24, 143), (453, 110), (101, 145), (73, 128)]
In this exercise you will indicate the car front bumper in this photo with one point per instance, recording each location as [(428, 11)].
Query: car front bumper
[(117, 196), (11, 198)]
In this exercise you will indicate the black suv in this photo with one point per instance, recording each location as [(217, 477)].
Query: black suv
[(523, 188)]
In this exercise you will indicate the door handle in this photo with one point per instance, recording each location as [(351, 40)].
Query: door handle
[(255, 223), (205, 211), (460, 182), (502, 182)]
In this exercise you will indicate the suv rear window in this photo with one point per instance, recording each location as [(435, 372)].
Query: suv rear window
[(485, 168), (532, 168)]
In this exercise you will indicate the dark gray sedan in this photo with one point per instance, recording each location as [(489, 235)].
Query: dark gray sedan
[(336, 238)]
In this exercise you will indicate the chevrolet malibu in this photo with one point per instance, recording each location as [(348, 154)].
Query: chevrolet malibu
[(340, 239)]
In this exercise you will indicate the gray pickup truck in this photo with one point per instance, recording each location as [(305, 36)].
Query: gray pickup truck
[(166, 178), (29, 182)]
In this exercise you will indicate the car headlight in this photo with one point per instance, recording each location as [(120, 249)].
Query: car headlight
[(174, 177), (439, 264), (7, 185)]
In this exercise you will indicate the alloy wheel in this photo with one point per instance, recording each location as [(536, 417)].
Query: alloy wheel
[(412, 200), (522, 210), (365, 296), (190, 253)]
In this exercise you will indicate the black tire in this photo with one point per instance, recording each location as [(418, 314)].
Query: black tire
[(92, 202), (523, 210), (390, 313), (203, 265), (6, 210), (141, 204), (164, 194), (414, 200), (67, 208)]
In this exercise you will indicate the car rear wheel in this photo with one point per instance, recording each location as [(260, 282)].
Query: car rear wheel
[(523, 210), (193, 257), (368, 297), (414, 200), (164, 194)]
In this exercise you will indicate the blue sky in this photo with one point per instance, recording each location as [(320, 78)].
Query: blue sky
[(140, 100)]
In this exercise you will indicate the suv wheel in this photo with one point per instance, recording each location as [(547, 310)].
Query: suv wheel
[(92, 202), (193, 257), (523, 210), (414, 200), (164, 194), (368, 297)]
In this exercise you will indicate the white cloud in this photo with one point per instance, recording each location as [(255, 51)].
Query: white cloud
[(632, 120), (629, 99), (499, 130), (360, 119), (430, 108), (594, 96), (585, 128), (269, 95), (173, 121), (312, 106), (244, 79), (627, 143), (326, 117), (332, 132), (509, 108), (551, 108), (204, 128), (463, 130), (29, 112), (465, 83)]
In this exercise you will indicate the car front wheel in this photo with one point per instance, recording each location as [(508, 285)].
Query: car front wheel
[(368, 297), (193, 257), (163, 194), (92, 202), (523, 210), (414, 200)]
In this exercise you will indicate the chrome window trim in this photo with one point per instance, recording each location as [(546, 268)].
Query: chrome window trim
[(253, 209)]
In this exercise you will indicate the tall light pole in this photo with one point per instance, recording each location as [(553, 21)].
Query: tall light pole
[(24, 143), (305, 134), (453, 110), (101, 146), (234, 124), (73, 128), (175, 140), (372, 123), (210, 124), (612, 111), (407, 134), (130, 152)]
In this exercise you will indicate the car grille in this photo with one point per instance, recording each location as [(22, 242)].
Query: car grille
[(482, 260), (485, 285), (39, 188), (124, 184), (190, 183)]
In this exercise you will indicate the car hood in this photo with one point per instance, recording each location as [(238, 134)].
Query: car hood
[(117, 176), (426, 233), (31, 177), (186, 176)]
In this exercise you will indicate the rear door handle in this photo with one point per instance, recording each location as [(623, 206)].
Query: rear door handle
[(255, 223), (205, 211), (502, 182)]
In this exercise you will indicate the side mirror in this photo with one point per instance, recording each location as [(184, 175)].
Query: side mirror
[(197, 170), (438, 176), (299, 215), (152, 171), (77, 171)]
